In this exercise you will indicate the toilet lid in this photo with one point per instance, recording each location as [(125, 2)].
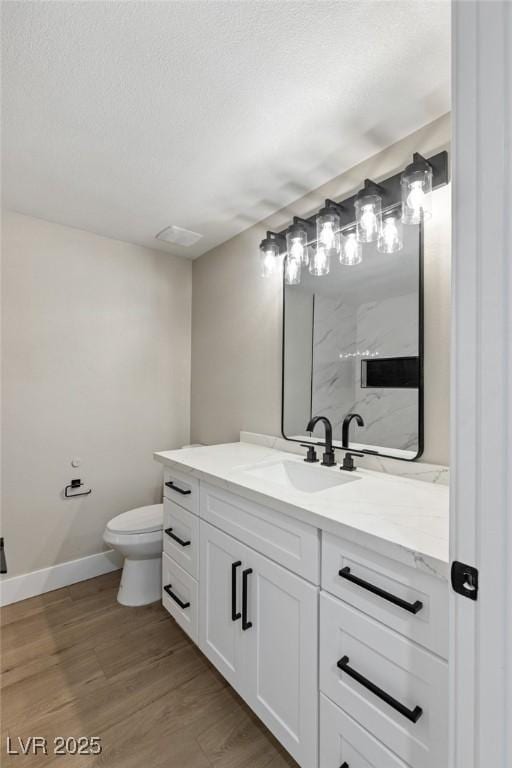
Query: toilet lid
[(140, 520)]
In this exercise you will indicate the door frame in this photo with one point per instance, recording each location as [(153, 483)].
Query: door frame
[(481, 488)]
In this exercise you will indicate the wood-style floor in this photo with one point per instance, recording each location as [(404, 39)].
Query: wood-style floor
[(76, 663)]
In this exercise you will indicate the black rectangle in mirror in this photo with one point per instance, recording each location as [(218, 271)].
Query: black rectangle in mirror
[(391, 372)]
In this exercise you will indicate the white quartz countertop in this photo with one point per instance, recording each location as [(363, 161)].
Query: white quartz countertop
[(404, 518)]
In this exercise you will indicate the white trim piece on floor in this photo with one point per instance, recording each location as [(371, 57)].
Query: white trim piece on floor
[(17, 588)]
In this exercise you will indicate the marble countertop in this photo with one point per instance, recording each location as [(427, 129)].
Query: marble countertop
[(403, 518)]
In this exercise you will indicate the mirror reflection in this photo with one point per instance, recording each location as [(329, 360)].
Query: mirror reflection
[(352, 345)]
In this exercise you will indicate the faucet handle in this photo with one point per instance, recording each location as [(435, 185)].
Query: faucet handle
[(348, 463), (311, 455)]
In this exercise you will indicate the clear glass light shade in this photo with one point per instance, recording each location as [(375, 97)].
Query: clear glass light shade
[(351, 252), (391, 237), (319, 261), (368, 218), (416, 196), (327, 232), (269, 258), (296, 245), (292, 270)]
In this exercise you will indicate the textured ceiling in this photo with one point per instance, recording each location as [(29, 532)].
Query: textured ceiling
[(125, 117)]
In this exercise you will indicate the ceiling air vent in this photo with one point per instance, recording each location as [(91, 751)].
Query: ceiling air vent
[(178, 236)]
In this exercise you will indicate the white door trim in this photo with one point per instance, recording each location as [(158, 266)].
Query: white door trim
[(481, 512)]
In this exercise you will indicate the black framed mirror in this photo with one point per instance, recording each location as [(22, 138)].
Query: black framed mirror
[(353, 343)]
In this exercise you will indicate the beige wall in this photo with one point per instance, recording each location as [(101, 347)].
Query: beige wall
[(96, 365), (236, 316)]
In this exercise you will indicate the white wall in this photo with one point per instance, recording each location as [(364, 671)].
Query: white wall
[(96, 365), (236, 323)]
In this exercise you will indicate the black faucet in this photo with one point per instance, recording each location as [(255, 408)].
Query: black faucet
[(328, 459), (346, 424)]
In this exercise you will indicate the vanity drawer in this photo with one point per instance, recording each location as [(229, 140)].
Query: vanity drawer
[(182, 489), (427, 623), (393, 688), (181, 536), (180, 598), (289, 542), (344, 742)]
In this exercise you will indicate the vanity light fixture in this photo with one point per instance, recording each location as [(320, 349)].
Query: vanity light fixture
[(328, 228), (391, 239), (416, 183), (297, 241), (270, 254), (351, 249), (368, 207), (335, 230)]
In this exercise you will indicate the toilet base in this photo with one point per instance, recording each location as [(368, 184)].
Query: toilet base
[(141, 582)]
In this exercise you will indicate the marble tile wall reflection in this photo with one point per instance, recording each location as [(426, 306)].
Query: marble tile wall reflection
[(343, 335)]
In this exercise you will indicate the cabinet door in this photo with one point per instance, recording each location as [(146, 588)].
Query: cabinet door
[(220, 603), (282, 655)]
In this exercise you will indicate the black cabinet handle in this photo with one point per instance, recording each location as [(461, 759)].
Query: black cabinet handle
[(235, 615), (176, 488), (176, 538), (3, 561), (245, 575), (411, 714), (345, 765), (411, 607), (176, 599)]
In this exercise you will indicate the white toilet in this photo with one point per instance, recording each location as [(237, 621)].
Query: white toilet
[(137, 534)]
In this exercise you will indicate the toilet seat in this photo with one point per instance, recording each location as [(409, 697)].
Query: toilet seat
[(139, 520)]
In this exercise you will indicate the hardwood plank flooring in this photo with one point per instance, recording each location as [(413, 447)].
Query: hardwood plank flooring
[(76, 663)]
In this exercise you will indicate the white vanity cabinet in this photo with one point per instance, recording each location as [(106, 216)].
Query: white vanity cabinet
[(339, 647), (258, 626)]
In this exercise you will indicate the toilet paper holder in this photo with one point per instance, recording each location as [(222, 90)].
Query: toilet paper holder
[(74, 484)]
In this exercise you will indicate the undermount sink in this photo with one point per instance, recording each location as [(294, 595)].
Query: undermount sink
[(300, 477)]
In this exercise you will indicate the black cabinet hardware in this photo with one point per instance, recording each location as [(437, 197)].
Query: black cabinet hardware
[(74, 484), (176, 599), (176, 488), (411, 607), (235, 615), (245, 575), (465, 580), (169, 532), (411, 714), (311, 457), (345, 765), (3, 561)]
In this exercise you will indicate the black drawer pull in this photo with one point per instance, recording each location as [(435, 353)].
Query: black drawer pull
[(411, 714), (235, 615), (176, 488), (345, 765), (411, 607), (245, 575), (176, 538), (176, 599)]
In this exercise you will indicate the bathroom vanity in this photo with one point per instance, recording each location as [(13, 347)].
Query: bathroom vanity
[(320, 595)]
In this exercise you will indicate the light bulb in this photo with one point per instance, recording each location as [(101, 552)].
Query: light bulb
[(368, 217), (297, 250), (327, 235), (351, 253), (320, 262), (292, 270), (368, 220), (416, 184), (296, 243), (269, 257), (390, 235)]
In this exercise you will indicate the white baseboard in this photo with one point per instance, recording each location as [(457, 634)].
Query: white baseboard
[(47, 579)]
